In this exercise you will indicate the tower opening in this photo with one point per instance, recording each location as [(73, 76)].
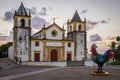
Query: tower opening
[(22, 23)]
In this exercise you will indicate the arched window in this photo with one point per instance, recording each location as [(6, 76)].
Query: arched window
[(22, 23), (79, 28)]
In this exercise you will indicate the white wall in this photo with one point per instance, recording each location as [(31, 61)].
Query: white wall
[(36, 48), (82, 26), (69, 49), (11, 53), (49, 35), (80, 46), (53, 44), (22, 47), (26, 22)]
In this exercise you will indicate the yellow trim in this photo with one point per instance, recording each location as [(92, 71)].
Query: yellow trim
[(74, 26), (22, 17), (44, 50), (56, 26), (48, 40), (59, 53), (63, 51), (85, 26), (70, 28)]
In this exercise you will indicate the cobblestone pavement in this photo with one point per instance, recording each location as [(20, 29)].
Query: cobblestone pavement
[(59, 73), (74, 73)]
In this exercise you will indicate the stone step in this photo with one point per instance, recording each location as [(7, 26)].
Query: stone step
[(75, 63)]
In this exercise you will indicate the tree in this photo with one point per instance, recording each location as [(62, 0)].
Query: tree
[(118, 38), (116, 47), (4, 49), (113, 45)]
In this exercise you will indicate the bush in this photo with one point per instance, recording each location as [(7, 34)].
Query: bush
[(115, 63)]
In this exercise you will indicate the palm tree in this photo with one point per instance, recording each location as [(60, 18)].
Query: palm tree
[(113, 47), (4, 49), (118, 38)]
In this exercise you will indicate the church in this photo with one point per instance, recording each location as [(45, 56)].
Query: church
[(48, 44)]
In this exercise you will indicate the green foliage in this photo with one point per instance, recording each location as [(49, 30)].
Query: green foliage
[(5, 47), (116, 47), (113, 45), (118, 38), (115, 63)]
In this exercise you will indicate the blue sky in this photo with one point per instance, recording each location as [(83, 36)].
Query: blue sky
[(102, 16)]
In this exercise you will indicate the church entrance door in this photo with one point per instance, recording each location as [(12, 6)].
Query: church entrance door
[(69, 57), (54, 55), (37, 57)]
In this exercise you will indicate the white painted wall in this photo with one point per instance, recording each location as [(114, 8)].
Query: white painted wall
[(80, 46), (54, 44), (26, 21), (11, 53), (37, 48), (49, 35), (69, 49), (22, 47), (82, 26)]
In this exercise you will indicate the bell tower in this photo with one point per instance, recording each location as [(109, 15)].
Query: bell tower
[(22, 34), (76, 30)]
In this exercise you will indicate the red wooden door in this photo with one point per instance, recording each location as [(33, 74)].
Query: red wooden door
[(53, 55), (37, 57), (68, 57)]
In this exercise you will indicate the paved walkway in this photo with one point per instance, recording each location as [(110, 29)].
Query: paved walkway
[(26, 74), (16, 72), (6, 63)]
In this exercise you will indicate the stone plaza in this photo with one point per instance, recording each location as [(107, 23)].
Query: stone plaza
[(12, 71)]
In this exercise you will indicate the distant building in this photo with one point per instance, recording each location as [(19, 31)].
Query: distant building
[(49, 44)]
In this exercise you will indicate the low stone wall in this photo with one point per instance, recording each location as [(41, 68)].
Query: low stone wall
[(61, 64), (75, 63), (89, 63)]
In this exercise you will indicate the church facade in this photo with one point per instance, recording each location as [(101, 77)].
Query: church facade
[(49, 44)]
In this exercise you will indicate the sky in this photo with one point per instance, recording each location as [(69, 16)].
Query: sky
[(102, 16)]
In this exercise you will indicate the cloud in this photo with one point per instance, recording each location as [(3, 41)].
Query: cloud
[(37, 22), (95, 37), (43, 11), (8, 16), (91, 24), (109, 19), (104, 21), (84, 11), (111, 38), (50, 8), (33, 10)]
